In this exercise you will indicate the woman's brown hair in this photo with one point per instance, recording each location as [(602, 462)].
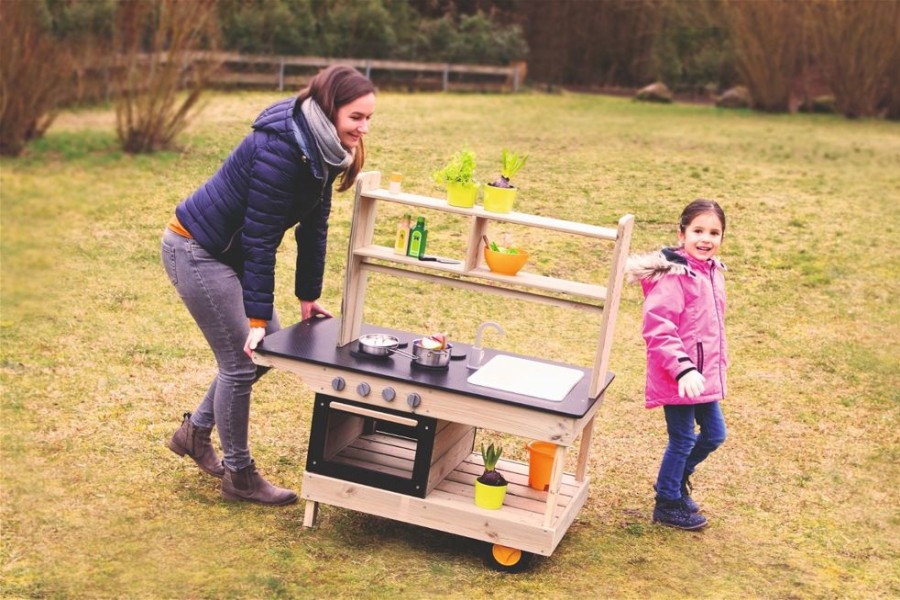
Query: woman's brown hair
[(332, 88)]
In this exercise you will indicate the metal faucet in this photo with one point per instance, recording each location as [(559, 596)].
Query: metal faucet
[(477, 353)]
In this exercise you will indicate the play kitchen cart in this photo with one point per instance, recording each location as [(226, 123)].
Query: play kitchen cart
[(394, 438)]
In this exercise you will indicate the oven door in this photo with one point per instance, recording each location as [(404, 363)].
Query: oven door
[(377, 447)]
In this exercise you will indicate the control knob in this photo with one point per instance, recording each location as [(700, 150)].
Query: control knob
[(338, 383), (388, 394), (363, 389), (414, 400)]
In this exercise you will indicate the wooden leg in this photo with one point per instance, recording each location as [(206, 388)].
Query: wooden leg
[(584, 451), (559, 462), (310, 514)]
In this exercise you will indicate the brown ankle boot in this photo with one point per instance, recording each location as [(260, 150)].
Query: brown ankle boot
[(195, 442), (248, 484)]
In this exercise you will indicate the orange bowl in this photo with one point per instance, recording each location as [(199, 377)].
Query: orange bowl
[(505, 264)]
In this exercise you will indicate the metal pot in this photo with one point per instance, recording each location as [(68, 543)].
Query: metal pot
[(431, 358), (380, 344)]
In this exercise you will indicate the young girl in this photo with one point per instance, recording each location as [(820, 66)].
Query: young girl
[(684, 328), (220, 246)]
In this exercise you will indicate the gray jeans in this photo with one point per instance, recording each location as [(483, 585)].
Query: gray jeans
[(212, 292)]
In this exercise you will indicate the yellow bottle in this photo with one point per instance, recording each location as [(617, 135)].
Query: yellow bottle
[(401, 244)]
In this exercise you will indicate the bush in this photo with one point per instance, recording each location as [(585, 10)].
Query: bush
[(155, 38), (767, 48), (382, 29), (34, 71), (856, 49)]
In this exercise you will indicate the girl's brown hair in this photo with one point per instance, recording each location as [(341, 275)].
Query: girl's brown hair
[(697, 208), (332, 88)]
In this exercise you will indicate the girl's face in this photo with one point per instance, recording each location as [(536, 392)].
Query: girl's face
[(702, 237), (352, 120)]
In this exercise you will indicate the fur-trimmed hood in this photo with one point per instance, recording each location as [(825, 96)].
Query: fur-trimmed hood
[(653, 266)]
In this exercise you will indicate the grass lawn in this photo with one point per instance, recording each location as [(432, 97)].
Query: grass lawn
[(99, 359)]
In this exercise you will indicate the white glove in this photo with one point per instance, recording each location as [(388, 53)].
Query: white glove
[(691, 384), (253, 339)]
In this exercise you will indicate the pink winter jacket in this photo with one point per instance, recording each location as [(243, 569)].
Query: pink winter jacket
[(684, 323)]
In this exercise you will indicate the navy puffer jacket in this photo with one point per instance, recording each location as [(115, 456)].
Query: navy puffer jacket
[(269, 183)]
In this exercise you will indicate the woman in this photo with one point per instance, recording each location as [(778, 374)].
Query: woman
[(219, 253)]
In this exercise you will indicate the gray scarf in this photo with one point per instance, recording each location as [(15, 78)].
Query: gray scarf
[(326, 137)]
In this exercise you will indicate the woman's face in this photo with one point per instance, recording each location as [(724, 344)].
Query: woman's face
[(702, 238), (352, 120)]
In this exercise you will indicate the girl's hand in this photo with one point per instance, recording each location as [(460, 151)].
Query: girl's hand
[(691, 383), (253, 339), (311, 308)]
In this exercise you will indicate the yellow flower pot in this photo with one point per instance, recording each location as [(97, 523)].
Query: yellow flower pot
[(462, 195), (489, 496), (499, 200)]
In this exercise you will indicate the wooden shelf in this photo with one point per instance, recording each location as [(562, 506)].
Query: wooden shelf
[(523, 278), (516, 218), (450, 507)]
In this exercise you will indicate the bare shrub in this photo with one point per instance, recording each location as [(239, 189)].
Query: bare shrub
[(34, 69), (603, 42), (767, 37), (856, 47), (156, 39)]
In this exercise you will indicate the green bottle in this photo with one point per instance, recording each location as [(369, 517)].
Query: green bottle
[(417, 237)]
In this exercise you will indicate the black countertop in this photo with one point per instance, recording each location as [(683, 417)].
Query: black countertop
[(315, 341)]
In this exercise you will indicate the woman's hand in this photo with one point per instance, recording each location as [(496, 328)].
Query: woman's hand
[(311, 308), (253, 339), (691, 383)]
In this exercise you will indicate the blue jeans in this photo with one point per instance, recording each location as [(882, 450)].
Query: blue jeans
[(212, 293), (687, 449)]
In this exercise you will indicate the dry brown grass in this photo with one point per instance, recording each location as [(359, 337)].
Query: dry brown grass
[(98, 359)]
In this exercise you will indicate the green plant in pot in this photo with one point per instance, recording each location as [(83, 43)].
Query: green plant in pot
[(458, 176), (500, 195), (490, 487)]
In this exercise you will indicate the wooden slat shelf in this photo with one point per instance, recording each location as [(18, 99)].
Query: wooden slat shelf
[(451, 506), (523, 278), (516, 218)]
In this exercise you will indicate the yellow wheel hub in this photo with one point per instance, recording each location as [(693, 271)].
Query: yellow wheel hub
[(505, 555)]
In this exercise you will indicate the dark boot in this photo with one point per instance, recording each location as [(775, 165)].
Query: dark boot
[(247, 484), (689, 502), (686, 489), (675, 513), (195, 442)]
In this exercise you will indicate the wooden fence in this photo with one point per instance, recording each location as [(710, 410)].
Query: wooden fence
[(293, 72)]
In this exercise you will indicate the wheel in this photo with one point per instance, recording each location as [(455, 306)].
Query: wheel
[(508, 560)]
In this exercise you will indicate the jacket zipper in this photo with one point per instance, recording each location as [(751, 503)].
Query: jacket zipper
[(721, 332), (700, 357)]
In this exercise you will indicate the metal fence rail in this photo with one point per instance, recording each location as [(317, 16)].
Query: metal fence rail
[(293, 71)]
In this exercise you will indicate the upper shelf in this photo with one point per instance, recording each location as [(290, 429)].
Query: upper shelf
[(593, 231)]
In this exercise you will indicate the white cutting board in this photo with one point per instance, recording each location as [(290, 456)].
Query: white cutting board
[(527, 377)]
